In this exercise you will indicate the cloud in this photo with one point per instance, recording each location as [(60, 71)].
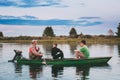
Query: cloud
[(31, 3), (90, 18), (34, 21), (26, 17)]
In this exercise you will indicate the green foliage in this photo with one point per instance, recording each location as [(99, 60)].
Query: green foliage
[(21, 38), (102, 35), (48, 32), (73, 33), (87, 36), (1, 34), (118, 30), (81, 35)]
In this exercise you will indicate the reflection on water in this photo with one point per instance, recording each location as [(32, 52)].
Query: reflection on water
[(111, 47), (57, 70), (73, 46), (48, 72), (47, 47), (119, 49), (1, 46), (83, 72), (18, 68), (35, 71)]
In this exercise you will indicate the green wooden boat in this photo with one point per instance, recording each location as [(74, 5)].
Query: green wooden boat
[(67, 61)]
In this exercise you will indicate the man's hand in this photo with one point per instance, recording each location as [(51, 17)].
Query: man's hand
[(76, 50), (40, 54)]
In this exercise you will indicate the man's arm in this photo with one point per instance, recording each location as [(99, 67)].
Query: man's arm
[(58, 50), (61, 54)]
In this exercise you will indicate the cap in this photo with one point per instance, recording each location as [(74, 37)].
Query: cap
[(34, 40)]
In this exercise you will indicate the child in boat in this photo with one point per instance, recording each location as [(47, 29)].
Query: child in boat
[(83, 52), (34, 51), (56, 52)]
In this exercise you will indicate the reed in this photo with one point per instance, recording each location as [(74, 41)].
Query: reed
[(67, 40)]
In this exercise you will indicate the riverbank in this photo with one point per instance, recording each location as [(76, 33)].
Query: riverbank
[(67, 40)]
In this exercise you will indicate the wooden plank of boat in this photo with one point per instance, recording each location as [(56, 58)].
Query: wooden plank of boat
[(67, 61)]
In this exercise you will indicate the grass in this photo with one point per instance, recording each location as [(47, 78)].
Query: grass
[(67, 40)]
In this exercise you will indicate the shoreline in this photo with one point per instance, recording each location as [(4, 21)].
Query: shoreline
[(67, 40)]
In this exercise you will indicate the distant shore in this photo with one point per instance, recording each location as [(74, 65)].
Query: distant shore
[(101, 40)]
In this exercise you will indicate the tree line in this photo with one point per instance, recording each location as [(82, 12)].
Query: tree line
[(48, 32)]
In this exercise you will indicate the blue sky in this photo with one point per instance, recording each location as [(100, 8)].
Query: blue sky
[(30, 17)]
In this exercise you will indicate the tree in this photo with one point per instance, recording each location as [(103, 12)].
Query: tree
[(118, 30), (48, 32), (73, 33), (1, 34), (110, 32), (87, 36)]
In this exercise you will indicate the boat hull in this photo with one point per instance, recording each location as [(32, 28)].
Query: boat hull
[(68, 61)]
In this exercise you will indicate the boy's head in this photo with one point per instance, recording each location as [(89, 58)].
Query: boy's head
[(82, 43), (55, 45)]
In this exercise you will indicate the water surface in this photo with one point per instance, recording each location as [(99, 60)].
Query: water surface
[(14, 71)]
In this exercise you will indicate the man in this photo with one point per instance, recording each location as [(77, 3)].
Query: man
[(56, 52), (34, 51), (83, 52)]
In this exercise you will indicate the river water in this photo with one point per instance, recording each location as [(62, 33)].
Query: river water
[(14, 71)]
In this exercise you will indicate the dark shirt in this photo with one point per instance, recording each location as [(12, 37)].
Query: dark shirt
[(55, 50)]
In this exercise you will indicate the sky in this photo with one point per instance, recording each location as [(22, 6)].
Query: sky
[(31, 17)]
